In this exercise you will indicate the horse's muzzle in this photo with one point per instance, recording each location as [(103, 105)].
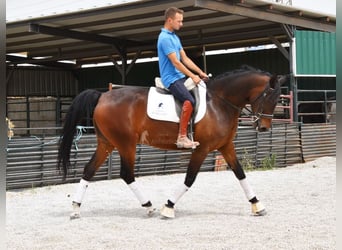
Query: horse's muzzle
[(262, 122), (262, 129)]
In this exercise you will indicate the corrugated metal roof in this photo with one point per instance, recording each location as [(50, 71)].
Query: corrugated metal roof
[(131, 29)]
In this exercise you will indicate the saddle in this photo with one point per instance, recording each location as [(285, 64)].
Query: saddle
[(190, 85), (162, 106)]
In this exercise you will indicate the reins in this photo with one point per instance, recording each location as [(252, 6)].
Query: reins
[(256, 116), (227, 102), (224, 100)]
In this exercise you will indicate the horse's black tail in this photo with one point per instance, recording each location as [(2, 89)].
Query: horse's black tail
[(79, 113)]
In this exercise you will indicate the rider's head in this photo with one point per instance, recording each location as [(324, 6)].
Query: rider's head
[(173, 18)]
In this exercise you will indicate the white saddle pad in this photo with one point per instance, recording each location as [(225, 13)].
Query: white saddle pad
[(162, 107)]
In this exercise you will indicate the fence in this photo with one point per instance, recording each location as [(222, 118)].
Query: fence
[(33, 112), (316, 108), (318, 140), (31, 161)]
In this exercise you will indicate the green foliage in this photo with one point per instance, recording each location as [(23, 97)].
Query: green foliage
[(267, 163), (247, 161)]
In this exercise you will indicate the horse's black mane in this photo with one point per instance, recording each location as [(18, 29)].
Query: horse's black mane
[(243, 70)]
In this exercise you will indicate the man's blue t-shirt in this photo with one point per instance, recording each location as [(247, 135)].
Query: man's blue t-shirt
[(168, 42)]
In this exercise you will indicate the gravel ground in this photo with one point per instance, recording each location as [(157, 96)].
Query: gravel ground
[(213, 214)]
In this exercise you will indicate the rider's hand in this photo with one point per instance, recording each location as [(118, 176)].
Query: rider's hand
[(204, 76), (196, 79)]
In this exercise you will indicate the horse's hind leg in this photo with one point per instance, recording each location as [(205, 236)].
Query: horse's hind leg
[(100, 155), (127, 158), (229, 155)]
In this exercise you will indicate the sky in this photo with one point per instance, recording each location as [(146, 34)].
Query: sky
[(18, 9), (323, 6)]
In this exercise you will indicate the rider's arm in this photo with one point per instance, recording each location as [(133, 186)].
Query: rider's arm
[(182, 68), (191, 65)]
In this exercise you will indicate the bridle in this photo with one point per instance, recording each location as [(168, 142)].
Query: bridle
[(260, 111), (256, 116)]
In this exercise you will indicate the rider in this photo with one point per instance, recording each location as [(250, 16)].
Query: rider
[(174, 66)]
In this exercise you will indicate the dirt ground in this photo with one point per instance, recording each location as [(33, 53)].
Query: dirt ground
[(213, 214)]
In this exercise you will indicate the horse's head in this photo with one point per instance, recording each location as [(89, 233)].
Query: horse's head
[(263, 106)]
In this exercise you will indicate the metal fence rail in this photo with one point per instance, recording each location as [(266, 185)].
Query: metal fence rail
[(283, 141), (316, 107), (31, 161), (318, 140)]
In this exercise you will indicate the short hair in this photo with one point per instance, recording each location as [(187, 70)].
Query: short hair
[(171, 12)]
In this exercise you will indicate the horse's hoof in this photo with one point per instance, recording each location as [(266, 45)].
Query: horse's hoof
[(167, 212), (258, 209), (75, 216), (261, 213), (150, 211)]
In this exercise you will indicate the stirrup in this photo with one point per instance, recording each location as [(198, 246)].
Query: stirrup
[(185, 142)]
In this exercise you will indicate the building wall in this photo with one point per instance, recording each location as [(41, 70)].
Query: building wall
[(270, 60), (36, 81)]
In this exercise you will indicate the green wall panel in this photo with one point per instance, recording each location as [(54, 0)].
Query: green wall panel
[(315, 53)]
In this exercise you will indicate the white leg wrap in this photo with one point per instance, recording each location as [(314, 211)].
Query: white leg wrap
[(179, 193), (247, 189), (136, 190), (81, 189)]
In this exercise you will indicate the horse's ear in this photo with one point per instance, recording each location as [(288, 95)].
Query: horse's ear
[(283, 78), (278, 80), (274, 82)]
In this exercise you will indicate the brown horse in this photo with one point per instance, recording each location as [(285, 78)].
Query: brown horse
[(121, 122)]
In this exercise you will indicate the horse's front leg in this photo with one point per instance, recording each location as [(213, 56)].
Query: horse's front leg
[(229, 155), (197, 158)]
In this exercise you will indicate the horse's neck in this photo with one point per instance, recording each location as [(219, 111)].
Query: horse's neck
[(232, 92)]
